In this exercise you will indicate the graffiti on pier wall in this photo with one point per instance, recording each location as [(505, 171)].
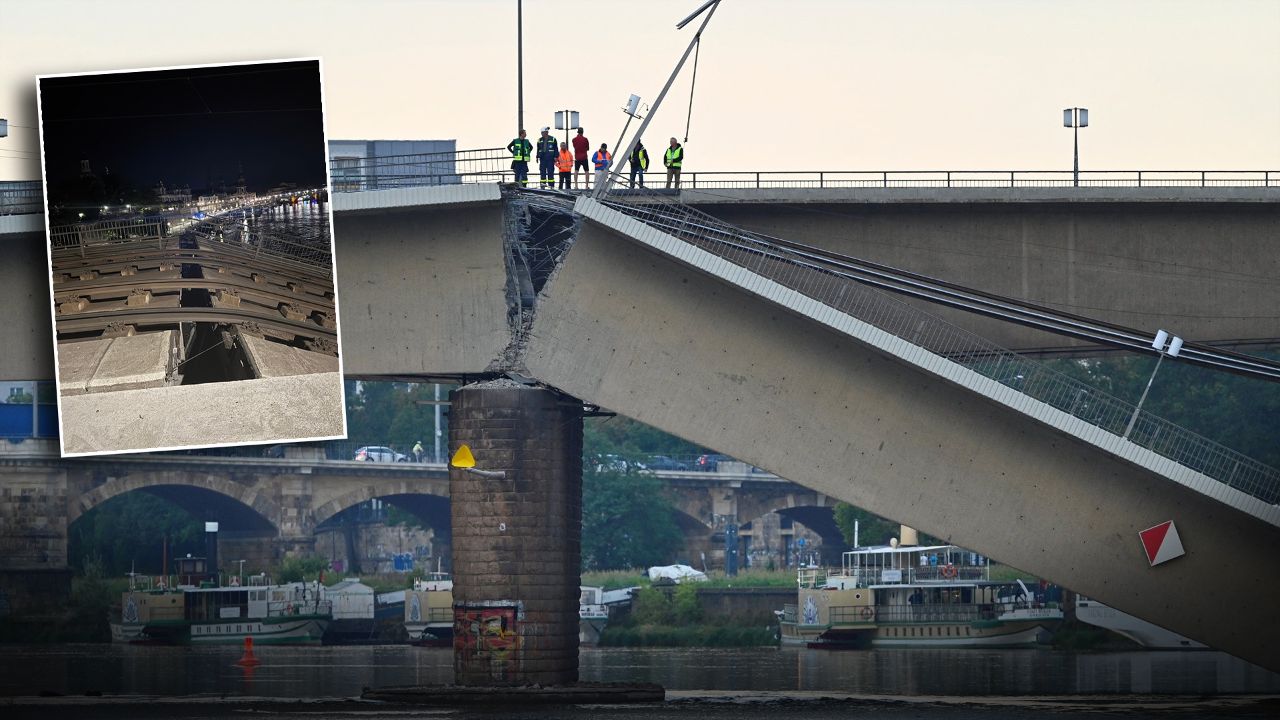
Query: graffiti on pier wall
[(486, 640)]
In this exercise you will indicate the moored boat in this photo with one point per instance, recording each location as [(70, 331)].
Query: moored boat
[(593, 614), (937, 595), (210, 614), (428, 611)]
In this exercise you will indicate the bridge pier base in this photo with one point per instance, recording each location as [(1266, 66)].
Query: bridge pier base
[(516, 540)]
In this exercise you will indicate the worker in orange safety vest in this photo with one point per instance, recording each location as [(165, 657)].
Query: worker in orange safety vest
[(602, 159), (564, 163)]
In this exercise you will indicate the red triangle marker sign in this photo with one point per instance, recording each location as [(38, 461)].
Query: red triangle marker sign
[(1161, 543)]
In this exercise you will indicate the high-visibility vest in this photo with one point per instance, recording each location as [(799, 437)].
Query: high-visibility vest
[(674, 156), (565, 162), (601, 161), (547, 146), (520, 148)]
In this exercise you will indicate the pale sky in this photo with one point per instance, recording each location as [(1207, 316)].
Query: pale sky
[(794, 84)]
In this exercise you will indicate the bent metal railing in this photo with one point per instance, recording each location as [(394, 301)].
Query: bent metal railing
[(494, 165), (831, 287)]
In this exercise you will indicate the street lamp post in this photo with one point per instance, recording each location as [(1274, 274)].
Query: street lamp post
[(519, 66), (1175, 347), (567, 120), (1075, 118)]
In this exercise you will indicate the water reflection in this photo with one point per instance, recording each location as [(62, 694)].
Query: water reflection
[(345, 671)]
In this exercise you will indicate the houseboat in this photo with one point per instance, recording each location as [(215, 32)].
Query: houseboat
[(209, 614), (593, 615), (903, 596), (428, 611)]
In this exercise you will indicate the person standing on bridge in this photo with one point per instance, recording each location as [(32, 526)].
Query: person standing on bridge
[(417, 451), (520, 149), (581, 146), (547, 154), (602, 159), (639, 163), (673, 158), (564, 163)]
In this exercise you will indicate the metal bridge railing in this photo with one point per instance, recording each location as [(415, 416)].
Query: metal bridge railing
[(21, 197), (76, 237), (974, 178), (397, 171), (494, 165), (836, 289)]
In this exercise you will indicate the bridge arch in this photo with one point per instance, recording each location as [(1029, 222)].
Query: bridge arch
[(401, 490), (231, 502)]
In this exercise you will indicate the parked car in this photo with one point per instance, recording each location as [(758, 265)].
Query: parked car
[(662, 462), (380, 453), (710, 463)]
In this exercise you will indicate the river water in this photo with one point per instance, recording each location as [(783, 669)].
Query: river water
[(343, 671)]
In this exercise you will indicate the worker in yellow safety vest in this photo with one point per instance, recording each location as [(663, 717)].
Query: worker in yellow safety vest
[(639, 163), (564, 163), (520, 150), (673, 158)]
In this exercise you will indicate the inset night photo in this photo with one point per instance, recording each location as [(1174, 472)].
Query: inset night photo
[(191, 257)]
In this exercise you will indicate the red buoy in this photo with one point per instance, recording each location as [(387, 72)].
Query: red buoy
[(248, 659)]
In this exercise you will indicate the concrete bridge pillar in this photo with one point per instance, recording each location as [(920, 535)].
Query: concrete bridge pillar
[(516, 540)]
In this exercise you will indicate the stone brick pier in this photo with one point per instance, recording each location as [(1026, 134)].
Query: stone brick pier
[(516, 540)]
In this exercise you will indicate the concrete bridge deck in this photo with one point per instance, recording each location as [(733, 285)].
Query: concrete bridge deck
[(636, 330)]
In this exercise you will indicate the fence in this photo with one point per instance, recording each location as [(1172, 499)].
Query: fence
[(494, 165), (838, 290), (397, 171), (76, 237), (977, 178)]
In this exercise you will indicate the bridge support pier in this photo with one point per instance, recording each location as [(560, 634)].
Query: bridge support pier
[(516, 540)]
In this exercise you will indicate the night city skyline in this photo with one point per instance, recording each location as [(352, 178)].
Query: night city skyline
[(194, 126)]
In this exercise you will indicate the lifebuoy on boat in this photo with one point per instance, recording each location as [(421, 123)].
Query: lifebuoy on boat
[(950, 571), (868, 612), (288, 608), (235, 581)]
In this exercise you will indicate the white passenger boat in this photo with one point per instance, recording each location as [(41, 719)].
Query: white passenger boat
[(938, 595), (209, 614), (1136, 629)]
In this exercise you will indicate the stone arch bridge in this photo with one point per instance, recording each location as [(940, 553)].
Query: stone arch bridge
[(270, 508)]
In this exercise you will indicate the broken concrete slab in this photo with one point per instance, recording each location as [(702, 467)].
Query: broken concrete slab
[(273, 359), (130, 362)]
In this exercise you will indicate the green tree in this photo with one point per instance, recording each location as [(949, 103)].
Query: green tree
[(872, 529), (627, 521), (129, 531), (685, 607), (296, 569)]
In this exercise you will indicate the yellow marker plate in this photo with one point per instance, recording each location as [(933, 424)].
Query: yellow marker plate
[(463, 458)]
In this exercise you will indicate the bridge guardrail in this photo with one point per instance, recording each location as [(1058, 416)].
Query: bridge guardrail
[(386, 172), (917, 327), (494, 165)]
